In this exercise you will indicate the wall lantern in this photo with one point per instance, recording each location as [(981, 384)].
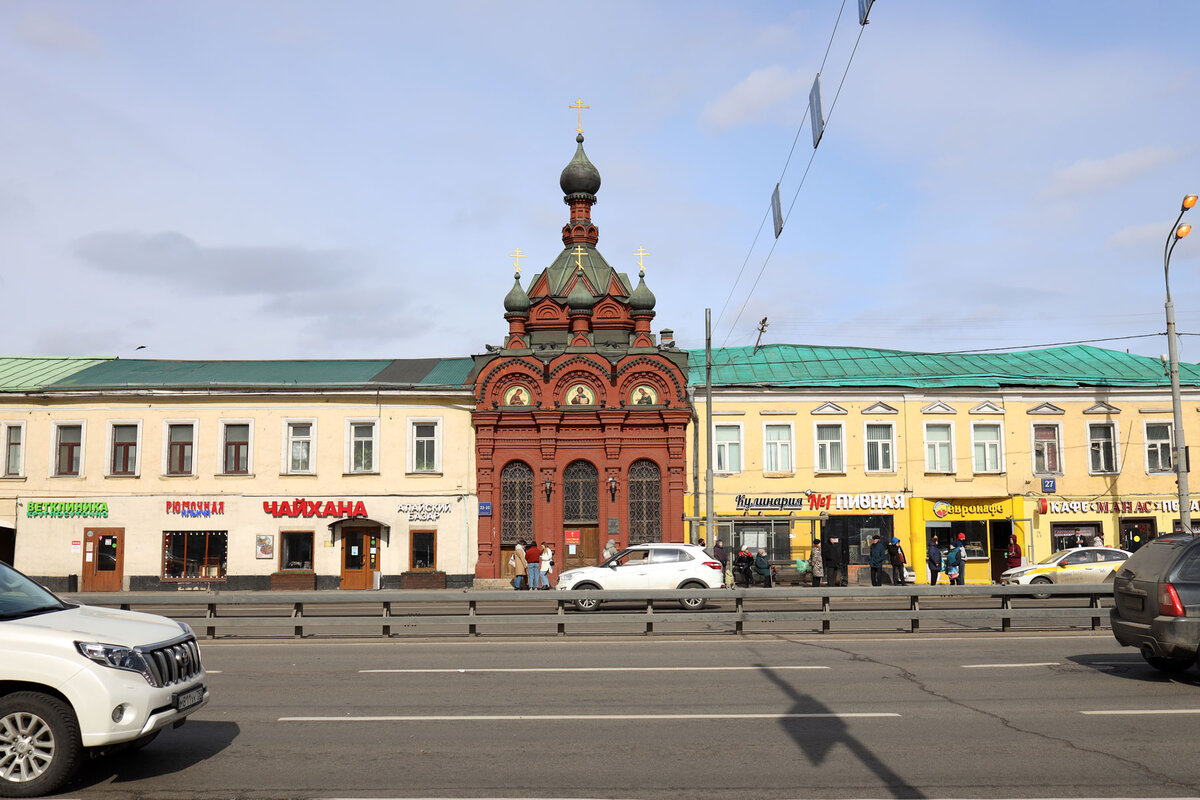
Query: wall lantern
[(612, 487), (549, 489)]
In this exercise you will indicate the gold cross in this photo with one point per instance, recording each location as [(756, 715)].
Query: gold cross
[(579, 106), (518, 255), (578, 252), (640, 253)]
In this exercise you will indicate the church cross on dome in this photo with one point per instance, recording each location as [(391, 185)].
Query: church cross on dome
[(517, 255), (641, 253), (579, 106), (579, 252)]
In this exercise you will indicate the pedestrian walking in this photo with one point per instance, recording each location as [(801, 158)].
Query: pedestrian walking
[(896, 556), (518, 563), (831, 554), (876, 557), (956, 561), (533, 556), (933, 557), (610, 549), (547, 564), (722, 556), (1012, 556), (815, 563), (762, 568)]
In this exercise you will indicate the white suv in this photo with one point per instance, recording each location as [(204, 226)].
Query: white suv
[(77, 677), (649, 566)]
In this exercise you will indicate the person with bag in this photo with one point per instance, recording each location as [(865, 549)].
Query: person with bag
[(896, 556), (762, 568), (956, 561), (517, 561), (831, 555), (547, 559), (876, 558), (933, 557), (743, 568), (815, 563)]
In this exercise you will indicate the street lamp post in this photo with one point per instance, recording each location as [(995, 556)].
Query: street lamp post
[(1179, 451)]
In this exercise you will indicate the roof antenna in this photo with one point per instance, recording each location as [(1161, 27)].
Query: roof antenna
[(762, 328)]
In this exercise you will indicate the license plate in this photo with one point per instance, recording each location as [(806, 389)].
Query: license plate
[(186, 700)]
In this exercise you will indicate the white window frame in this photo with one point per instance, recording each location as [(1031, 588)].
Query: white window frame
[(1116, 448), (1058, 445), (348, 467), (890, 467), (285, 465), (934, 469), (225, 423), (787, 464), (412, 424), (166, 447), (819, 445), (66, 423), (137, 448), (1170, 446), (718, 446), (5, 427), (976, 467)]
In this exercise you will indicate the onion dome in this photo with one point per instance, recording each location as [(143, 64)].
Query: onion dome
[(580, 299), (642, 298), (516, 301), (580, 176)]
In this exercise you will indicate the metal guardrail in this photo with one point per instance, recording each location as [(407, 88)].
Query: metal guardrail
[(260, 614)]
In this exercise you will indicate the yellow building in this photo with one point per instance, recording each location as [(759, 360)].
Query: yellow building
[(1056, 447)]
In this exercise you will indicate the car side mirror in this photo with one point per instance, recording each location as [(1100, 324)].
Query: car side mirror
[(1062, 563)]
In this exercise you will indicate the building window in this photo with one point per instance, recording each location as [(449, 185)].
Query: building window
[(181, 438), (124, 449), (1102, 447), (645, 502), (516, 503), (299, 447), (1158, 447), (829, 449), (361, 449), (69, 449), (728, 439), (1045, 450), (985, 446), (424, 550), (879, 447), (581, 493), (425, 445), (939, 447), (14, 449), (194, 555), (777, 448), (296, 550), (236, 444)]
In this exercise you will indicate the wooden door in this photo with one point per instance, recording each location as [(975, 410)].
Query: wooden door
[(103, 560), (360, 557), (587, 552)]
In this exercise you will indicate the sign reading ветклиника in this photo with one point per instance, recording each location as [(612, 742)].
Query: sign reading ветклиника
[(66, 510)]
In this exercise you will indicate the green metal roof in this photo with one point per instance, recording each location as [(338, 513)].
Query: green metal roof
[(26, 373), (449, 372), (789, 365)]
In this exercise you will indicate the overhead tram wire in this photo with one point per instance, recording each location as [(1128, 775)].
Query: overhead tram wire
[(796, 196), (782, 173)]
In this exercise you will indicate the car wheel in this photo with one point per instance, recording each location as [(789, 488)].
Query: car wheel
[(39, 744), (1170, 666), (1043, 581), (693, 603), (587, 605)]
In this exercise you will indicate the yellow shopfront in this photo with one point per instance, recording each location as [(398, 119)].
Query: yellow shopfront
[(985, 525)]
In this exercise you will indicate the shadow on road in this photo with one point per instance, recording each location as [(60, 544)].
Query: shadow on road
[(1134, 669), (172, 752), (815, 741)]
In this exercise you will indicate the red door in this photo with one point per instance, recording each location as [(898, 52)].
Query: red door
[(103, 560)]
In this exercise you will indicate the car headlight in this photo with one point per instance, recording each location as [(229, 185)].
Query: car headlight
[(117, 657)]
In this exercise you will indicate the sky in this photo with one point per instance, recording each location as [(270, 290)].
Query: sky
[(295, 179)]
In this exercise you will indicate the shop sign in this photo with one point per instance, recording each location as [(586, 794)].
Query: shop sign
[(1117, 506), (196, 508), (423, 512), (942, 509), (301, 507), (66, 510), (816, 502)]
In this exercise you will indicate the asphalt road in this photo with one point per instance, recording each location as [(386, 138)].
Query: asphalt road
[(849, 716)]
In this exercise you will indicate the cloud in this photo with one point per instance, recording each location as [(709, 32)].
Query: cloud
[(1138, 237), (1092, 175), (57, 34), (751, 100)]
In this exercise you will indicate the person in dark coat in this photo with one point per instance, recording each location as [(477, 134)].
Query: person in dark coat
[(956, 561), (722, 556), (762, 568), (933, 557), (876, 558), (1012, 556), (896, 557), (831, 556), (743, 568)]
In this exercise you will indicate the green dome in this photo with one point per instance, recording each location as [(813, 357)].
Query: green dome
[(516, 301), (580, 299), (642, 298), (580, 176)]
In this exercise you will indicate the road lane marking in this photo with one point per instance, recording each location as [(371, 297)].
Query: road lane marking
[(599, 669), (1005, 666), (579, 717), (1136, 711)]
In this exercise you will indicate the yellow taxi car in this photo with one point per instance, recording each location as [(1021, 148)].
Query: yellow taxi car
[(1078, 565)]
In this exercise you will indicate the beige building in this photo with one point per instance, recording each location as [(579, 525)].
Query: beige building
[(135, 475)]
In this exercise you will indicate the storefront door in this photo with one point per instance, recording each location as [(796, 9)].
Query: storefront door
[(584, 554), (103, 560), (1136, 532), (999, 531), (360, 557)]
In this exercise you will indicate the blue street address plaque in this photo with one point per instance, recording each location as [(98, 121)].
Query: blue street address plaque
[(1048, 485), (485, 509)]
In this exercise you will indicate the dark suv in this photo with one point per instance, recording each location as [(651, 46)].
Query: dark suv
[(1156, 602)]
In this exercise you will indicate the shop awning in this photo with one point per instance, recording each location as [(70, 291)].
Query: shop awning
[(338, 525)]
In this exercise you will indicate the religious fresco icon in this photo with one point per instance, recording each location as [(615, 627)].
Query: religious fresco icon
[(516, 396), (645, 396), (581, 395)]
